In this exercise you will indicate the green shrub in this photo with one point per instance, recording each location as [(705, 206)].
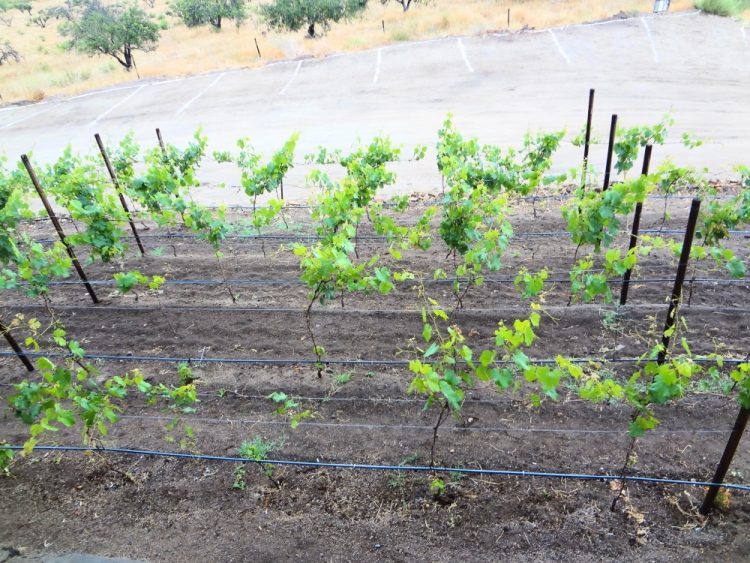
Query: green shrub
[(726, 8)]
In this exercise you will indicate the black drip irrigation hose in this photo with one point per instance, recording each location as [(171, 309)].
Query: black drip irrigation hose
[(349, 311), (410, 468), (340, 362)]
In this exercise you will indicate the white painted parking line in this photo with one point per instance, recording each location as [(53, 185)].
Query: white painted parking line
[(559, 47), (12, 123), (650, 40), (463, 54), (590, 24), (377, 66), (199, 94), (180, 79), (22, 106), (97, 92), (288, 84), (117, 105)]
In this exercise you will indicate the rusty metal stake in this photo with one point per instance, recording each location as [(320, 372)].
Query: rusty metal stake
[(257, 47), (679, 280), (635, 229), (16, 348), (610, 150), (58, 228), (112, 175), (726, 460)]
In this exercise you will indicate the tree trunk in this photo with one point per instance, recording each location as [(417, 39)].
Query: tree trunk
[(128, 58), (311, 30), (216, 22)]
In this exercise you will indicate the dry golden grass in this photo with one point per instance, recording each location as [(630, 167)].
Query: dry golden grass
[(48, 69)]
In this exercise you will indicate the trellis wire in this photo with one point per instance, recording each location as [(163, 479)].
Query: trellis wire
[(297, 281), (421, 427), (412, 204)]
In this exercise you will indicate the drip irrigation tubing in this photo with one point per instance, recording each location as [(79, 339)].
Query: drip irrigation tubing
[(349, 311), (411, 468), (198, 360), (487, 280)]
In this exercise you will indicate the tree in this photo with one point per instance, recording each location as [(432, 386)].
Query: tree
[(293, 15), (200, 12), (8, 53), (42, 17), (115, 31), (20, 5), (405, 4)]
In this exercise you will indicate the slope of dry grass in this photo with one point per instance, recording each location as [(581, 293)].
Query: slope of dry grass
[(49, 69)]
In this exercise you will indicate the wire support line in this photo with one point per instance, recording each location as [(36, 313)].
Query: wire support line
[(451, 280), (333, 361), (378, 239), (412, 468), (291, 206), (419, 427)]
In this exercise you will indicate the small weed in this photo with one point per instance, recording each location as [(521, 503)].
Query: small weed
[(400, 35), (457, 477), (723, 499), (239, 478), (397, 481), (343, 378), (257, 451), (611, 319), (437, 487), (70, 78), (6, 459), (185, 373)]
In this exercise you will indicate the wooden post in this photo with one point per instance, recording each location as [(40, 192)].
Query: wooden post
[(58, 228), (679, 280), (16, 348), (587, 140), (635, 229), (257, 48), (124, 204), (610, 150), (161, 141), (726, 459)]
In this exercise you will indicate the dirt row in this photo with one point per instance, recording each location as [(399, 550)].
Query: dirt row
[(167, 510)]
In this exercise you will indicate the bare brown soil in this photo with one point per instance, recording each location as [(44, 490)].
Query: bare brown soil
[(167, 510)]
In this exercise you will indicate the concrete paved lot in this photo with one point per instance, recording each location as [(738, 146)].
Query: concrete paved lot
[(498, 87)]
